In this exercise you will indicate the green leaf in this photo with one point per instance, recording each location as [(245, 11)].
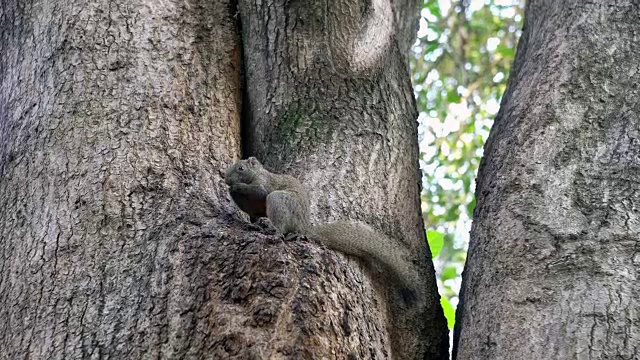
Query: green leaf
[(505, 51), (471, 206), (436, 242), (449, 312), (433, 7), (431, 47), (448, 273), (453, 96)]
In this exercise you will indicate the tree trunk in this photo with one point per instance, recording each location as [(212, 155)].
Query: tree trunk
[(117, 234), (115, 120), (329, 101), (552, 271)]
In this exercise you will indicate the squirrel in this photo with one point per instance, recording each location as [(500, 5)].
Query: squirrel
[(285, 202)]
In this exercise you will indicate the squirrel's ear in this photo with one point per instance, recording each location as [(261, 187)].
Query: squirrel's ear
[(253, 161)]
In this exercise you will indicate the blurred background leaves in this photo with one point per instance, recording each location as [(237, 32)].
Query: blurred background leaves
[(460, 66)]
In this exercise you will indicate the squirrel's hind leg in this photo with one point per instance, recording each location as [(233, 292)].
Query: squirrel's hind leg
[(285, 212)]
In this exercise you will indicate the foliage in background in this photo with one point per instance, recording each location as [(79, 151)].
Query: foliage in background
[(460, 67)]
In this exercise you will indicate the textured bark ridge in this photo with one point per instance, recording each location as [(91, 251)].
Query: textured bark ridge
[(115, 119), (553, 266), (329, 101)]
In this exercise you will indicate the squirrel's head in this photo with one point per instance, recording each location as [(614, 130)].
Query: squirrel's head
[(243, 171)]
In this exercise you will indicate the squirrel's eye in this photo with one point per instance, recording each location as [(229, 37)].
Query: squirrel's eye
[(241, 168)]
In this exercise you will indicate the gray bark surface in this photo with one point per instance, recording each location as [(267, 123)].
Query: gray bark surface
[(115, 120), (117, 235), (554, 258), (329, 100)]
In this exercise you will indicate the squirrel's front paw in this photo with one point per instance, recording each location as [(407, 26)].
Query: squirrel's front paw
[(265, 225)]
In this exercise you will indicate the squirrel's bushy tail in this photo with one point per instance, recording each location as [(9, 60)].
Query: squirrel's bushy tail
[(383, 254)]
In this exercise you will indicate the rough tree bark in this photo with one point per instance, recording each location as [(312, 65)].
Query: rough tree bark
[(553, 263), (330, 102), (117, 235), (115, 120)]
